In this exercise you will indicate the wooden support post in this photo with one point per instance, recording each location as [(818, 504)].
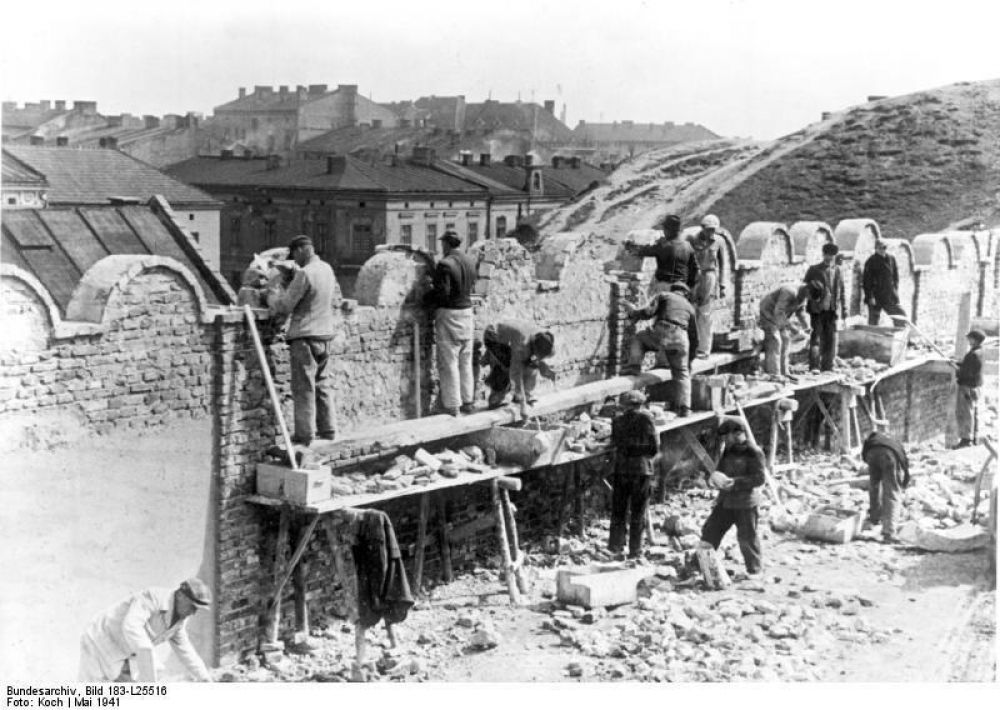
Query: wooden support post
[(418, 395), (988, 443), (349, 580), (845, 422), (301, 606), (829, 419), (418, 562), (515, 544), (446, 571), (772, 449), (280, 550), (788, 441), (568, 474), (515, 597), (580, 513)]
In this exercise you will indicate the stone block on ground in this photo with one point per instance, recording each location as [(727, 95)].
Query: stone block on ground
[(962, 538), (599, 585)]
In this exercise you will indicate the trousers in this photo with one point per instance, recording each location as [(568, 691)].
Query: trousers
[(704, 295), (746, 520), (885, 489), (966, 411), (453, 333), (823, 341), (312, 389), (875, 312), (670, 344), (629, 500), (776, 343)]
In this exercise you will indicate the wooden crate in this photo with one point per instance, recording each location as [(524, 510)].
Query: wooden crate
[(878, 343), (710, 394), (302, 486), (832, 524)]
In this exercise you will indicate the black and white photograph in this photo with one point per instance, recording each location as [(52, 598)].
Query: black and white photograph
[(600, 350)]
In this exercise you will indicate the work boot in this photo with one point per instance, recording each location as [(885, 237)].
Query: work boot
[(469, 408), (962, 443), (683, 412), (453, 411)]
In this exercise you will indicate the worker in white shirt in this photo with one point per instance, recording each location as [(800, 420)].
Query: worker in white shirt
[(119, 644)]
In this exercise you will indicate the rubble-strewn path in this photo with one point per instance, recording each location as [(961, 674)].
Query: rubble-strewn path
[(865, 611)]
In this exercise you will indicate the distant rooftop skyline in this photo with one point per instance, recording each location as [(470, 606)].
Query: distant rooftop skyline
[(760, 68)]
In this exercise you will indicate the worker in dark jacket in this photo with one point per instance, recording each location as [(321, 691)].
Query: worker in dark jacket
[(673, 336), (888, 477), (451, 297), (738, 477), (515, 350), (635, 442), (825, 310), (880, 283), (675, 257), (308, 299), (970, 380)]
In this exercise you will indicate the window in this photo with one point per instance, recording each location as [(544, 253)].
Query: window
[(450, 225), (362, 244), (501, 227), (11, 200), (196, 236), (432, 235), (536, 181), (473, 232), (406, 234), (322, 232), (234, 229), (270, 233)]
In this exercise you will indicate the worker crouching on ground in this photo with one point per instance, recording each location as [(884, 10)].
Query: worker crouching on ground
[(825, 308), (673, 337), (635, 442), (515, 350), (880, 282), (888, 477), (451, 298), (309, 300), (707, 247), (970, 380), (776, 311), (675, 257), (738, 477), (118, 646)]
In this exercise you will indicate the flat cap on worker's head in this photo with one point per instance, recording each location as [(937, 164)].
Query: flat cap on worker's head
[(830, 248), (634, 398), (729, 425), (976, 335), (299, 241), (671, 221), (544, 344), (710, 221), (197, 591), (451, 238)]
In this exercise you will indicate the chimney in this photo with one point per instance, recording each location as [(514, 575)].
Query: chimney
[(243, 92), (514, 161), (109, 142), (115, 121), (466, 158), (247, 154), (317, 89), (557, 161), (825, 115), (62, 141), (876, 97), (273, 162), (574, 162), (529, 160), (226, 154), (484, 160), (39, 140), (150, 121), (60, 105), (348, 89), (422, 155), (85, 107), (550, 106), (261, 90), (334, 163), (46, 105), (283, 92), (459, 112)]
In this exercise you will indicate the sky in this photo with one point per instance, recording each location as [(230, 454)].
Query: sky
[(747, 68)]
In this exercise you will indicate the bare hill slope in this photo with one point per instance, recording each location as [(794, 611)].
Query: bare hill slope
[(915, 163)]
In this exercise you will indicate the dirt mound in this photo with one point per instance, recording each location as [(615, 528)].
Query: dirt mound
[(916, 163)]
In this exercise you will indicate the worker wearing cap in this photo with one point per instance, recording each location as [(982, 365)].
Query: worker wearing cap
[(635, 443), (776, 311), (516, 350), (738, 477), (118, 644), (675, 259), (880, 283), (826, 310), (673, 337), (707, 245), (309, 300), (888, 477), (970, 380), (451, 299)]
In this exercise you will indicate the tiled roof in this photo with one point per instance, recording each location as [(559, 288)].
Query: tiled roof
[(347, 140), (576, 180), (14, 172), (564, 182), (90, 177), (269, 102), (58, 246), (642, 132), (348, 173)]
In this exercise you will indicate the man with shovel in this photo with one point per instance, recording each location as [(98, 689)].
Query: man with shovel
[(738, 477)]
